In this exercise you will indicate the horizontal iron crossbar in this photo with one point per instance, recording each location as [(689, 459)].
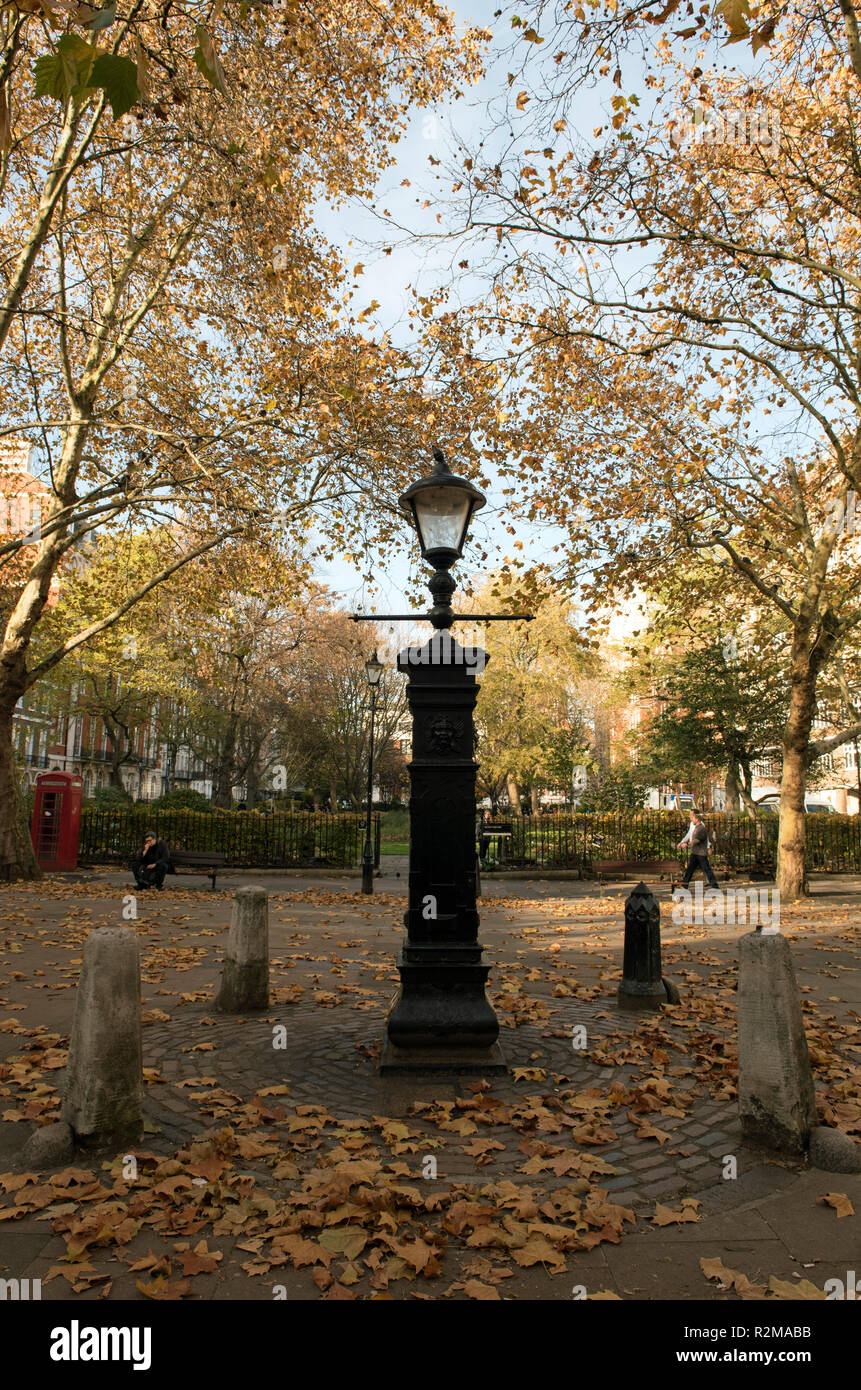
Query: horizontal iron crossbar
[(458, 617)]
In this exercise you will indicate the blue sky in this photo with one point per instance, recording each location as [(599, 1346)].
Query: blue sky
[(426, 263), (388, 279)]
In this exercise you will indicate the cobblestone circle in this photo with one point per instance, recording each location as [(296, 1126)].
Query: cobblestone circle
[(330, 1060)]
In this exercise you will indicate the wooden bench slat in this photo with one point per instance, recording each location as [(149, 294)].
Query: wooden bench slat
[(186, 857), (206, 862)]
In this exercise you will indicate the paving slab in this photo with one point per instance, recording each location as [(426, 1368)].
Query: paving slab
[(300, 1081)]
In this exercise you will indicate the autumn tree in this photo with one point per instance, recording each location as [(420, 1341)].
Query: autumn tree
[(531, 729), (329, 714), (678, 303), (207, 654), (124, 674), (237, 624), (723, 711), (175, 334)]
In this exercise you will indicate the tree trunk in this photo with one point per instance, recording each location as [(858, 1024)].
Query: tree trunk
[(17, 859), (119, 735), (252, 784), (746, 791), (513, 794), (170, 767), (223, 788), (731, 788), (791, 872)]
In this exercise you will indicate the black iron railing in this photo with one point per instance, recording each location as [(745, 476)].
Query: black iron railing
[(246, 838), (588, 842)]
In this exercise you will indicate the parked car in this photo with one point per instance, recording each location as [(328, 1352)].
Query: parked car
[(771, 805)]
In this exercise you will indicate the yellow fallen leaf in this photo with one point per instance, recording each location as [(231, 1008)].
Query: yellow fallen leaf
[(732, 1279), (665, 1216), (344, 1240), (839, 1201), (537, 1250), (648, 1131), (803, 1289), (474, 1288), (162, 1289)]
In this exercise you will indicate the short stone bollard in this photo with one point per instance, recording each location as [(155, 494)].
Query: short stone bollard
[(103, 1097), (245, 976), (642, 984), (775, 1084)]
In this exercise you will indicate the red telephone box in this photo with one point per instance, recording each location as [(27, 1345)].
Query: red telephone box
[(57, 819)]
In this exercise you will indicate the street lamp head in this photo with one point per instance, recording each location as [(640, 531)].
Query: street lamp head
[(441, 507), (374, 669)]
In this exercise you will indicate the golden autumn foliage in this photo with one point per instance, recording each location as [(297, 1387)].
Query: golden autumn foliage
[(677, 303), (174, 331)]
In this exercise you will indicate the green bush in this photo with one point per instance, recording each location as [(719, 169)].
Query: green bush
[(110, 796), (182, 799)]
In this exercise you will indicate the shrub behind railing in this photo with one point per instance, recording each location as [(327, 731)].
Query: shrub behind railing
[(580, 841)]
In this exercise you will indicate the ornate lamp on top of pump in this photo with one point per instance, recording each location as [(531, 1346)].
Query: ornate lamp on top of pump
[(441, 1019)]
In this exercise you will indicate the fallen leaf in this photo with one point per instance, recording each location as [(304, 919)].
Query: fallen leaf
[(665, 1216), (484, 1292), (200, 1260), (839, 1201), (731, 1279), (781, 1288), (162, 1289)]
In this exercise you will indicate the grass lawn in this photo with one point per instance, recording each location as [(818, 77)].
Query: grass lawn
[(395, 836)]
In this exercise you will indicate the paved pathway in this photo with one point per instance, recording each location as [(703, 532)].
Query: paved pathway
[(644, 1110)]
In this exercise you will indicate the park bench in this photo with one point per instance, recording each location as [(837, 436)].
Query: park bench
[(202, 862), (636, 868)]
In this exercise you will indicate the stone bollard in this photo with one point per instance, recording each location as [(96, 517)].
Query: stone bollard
[(775, 1084), (104, 1082), (642, 985), (245, 977)]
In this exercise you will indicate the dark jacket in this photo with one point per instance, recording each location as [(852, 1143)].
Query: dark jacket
[(700, 839), (156, 854)]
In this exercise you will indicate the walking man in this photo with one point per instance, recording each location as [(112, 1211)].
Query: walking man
[(697, 841)]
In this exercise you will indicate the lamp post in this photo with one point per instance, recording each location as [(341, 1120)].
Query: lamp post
[(442, 507), (441, 1019), (373, 670)]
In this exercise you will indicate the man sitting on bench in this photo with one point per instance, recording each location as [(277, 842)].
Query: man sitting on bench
[(150, 867)]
